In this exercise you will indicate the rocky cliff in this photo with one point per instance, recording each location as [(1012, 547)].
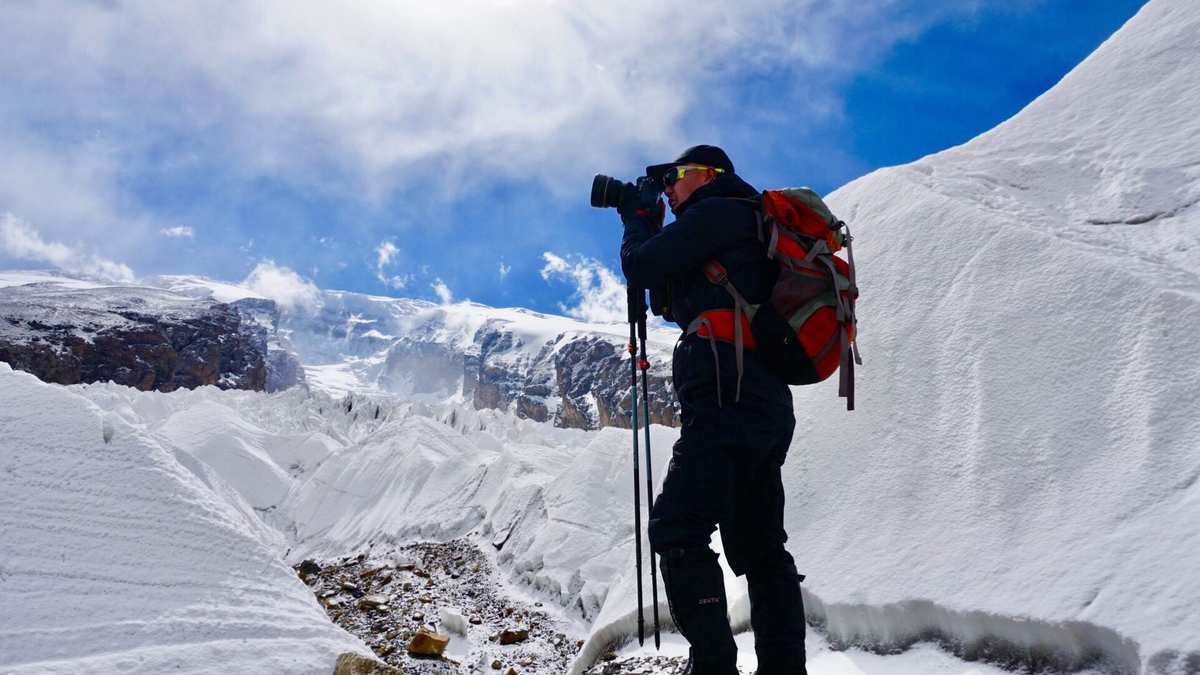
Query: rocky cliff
[(541, 367), (141, 337)]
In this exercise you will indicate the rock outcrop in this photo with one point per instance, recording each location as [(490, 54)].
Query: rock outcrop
[(141, 337), (575, 380)]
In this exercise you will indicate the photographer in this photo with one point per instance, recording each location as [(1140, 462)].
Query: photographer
[(737, 418)]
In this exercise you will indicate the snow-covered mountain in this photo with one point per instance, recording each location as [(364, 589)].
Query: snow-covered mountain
[(69, 331), (545, 368), (1019, 483)]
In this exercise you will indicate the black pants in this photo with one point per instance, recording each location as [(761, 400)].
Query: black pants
[(725, 470), (725, 467)]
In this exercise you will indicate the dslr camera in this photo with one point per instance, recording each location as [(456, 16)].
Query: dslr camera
[(609, 192)]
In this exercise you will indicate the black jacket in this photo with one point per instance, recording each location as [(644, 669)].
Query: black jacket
[(714, 223)]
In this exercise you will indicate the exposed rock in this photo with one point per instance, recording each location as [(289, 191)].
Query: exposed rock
[(510, 636), (425, 643), (140, 337), (575, 380), (372, 601), (354, 664)]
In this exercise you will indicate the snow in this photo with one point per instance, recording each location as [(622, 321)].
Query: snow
[(201, 287), (86, 309), (122, 556), (21, 278), (923, 659), (1020, 474)]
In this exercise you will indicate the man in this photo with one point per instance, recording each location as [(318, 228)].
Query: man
[(737, 419)]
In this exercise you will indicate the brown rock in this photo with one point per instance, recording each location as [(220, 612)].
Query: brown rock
[(353, 664), (372, 601), (496, 664), (509, 637), (425, 643)]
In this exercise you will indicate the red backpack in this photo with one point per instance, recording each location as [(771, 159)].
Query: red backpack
[(807, 329)]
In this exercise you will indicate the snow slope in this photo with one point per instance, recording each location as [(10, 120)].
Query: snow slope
[(122, 555)]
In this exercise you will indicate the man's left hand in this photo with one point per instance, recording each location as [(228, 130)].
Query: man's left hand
[(643, 205)]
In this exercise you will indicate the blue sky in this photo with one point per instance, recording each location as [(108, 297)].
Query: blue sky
[(407, 146)]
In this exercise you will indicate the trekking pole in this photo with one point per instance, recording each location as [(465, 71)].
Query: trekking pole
[(644, 364), (635, 300)]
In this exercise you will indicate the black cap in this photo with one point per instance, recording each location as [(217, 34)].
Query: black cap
[(708, 155)]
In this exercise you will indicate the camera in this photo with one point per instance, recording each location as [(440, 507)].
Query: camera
[(608, 192)]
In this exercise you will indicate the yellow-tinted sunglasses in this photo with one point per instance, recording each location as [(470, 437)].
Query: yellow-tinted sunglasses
[(676, 173)]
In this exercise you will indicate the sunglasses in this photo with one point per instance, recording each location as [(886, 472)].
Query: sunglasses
[(674, 174)]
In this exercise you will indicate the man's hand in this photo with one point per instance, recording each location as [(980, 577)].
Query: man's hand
[(643, 205)]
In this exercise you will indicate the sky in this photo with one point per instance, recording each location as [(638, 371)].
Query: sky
[(446, 152)]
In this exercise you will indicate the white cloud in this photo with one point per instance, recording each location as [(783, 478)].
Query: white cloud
[(178, 232), (385, 253), (442, 291), (599, 295), (21, 240), (504, 270), (68, 184), (288, 289), (464, 91)]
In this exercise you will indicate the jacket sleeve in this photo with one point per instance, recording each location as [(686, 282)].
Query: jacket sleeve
[(649, 259)]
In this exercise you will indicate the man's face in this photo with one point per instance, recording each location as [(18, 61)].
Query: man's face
[(693, 178)]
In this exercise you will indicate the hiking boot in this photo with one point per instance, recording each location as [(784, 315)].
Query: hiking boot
[(695, 592), (777, 617)]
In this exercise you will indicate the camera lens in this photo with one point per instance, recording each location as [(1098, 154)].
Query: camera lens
[(607, 191)]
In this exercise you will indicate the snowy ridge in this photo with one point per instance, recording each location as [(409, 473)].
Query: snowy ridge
[(1013, 642), (118, 558)]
